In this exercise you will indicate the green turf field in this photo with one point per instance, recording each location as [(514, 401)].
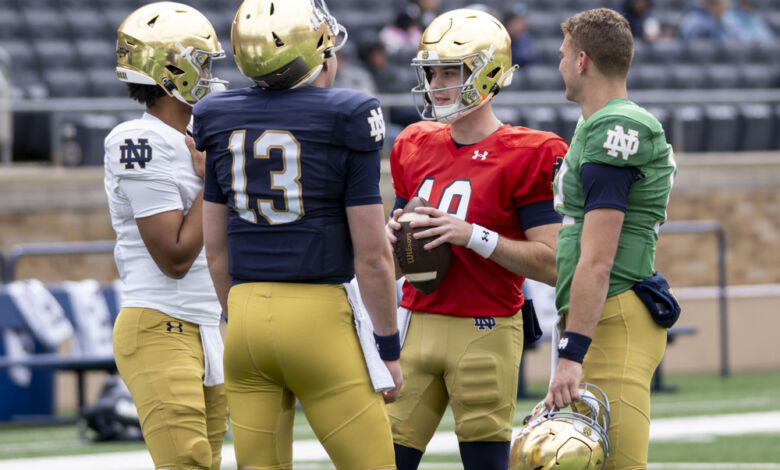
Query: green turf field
[(699, 395)]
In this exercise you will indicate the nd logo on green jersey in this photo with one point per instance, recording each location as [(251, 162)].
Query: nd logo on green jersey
[(620, 142)]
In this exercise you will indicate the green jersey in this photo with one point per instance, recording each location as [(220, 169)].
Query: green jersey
[(619, 134)]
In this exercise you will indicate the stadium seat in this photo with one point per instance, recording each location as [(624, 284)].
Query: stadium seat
[(54, 53), (96, 53), (735, 52), (689, 129), (758, 127), (543, 118), (547, 50), (641, 52), (687, 76), (87, 24), (723, 76), (541, 77), (664, 117), (544, 23), (45, 24), (759, 75), (114, 16), (103, 83), (568, 116), (653, 76), (21, 52), (700, 51), (67, 83), (722, 128), (666, 51), (11, 24)]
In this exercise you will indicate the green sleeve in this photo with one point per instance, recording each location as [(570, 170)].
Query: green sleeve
[(619, 141)]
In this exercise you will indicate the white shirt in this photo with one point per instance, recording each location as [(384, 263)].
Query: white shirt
[(149, 171)]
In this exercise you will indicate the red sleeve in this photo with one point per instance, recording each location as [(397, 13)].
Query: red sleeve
[(542, 165)]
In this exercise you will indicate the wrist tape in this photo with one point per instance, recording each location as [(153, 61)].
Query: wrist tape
[(389, 347), (573, 346), (482, 240)]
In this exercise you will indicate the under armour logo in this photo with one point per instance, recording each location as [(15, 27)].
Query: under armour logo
[(619, 141), (377, 122), (563, 343), (484, 322), (481, 156), (140, 153), (485, 234), (172, 327)]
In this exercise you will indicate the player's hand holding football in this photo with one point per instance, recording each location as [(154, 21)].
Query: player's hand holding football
[(198, 157), (398, 379), (443, 226)]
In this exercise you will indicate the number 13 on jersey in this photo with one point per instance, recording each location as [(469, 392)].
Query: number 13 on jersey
[(286, 180)]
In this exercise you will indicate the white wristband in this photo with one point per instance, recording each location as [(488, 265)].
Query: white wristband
[(482, 240)]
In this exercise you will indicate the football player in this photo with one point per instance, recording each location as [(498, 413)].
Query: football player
[(490, 185), (292, 211), (167, 343), (612, 191)]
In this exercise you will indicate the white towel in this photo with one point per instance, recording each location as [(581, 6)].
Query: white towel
[(556, 337), (213, 349), (41, 311), (404, 315), (91, 317), (18, 345), (380, 376)]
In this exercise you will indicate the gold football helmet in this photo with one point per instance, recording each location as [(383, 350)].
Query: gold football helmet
[(477, 43), (282, 44), (564, 440), (172, 45)]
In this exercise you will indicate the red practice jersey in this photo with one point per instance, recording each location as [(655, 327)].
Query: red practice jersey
[(485, 183)]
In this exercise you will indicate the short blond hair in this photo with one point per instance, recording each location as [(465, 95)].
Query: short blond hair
[(605, 36)]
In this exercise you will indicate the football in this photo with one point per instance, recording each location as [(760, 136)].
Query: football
[(424, 269)]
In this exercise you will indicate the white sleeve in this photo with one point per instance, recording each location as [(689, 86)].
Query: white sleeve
[(150, 197)]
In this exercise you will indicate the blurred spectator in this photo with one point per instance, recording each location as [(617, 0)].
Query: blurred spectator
[(706, 22), (374, 56), (516, 23), (352, 74), (643, 25), (744, 23), (403, 34)]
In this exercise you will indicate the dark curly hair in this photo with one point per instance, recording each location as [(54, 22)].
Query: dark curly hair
[(145, 94)]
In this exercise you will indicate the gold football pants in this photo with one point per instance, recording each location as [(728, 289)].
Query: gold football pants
[(160, 359), (472, 364), (288, 340), (626, 349)]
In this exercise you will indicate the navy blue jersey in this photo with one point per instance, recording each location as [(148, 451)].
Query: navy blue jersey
[(288, 163)]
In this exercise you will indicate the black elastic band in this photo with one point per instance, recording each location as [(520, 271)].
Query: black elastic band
[(573, 346), (389, 346)]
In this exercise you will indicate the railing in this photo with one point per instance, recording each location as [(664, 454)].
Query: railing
[(711, 226), (48, 249)]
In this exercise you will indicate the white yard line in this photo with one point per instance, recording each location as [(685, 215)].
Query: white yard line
[(695, 427)]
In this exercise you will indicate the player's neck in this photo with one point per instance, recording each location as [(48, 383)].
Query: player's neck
[(475, 127), (172, 112), (601, 93)]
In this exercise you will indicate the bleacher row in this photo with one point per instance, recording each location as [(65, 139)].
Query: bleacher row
[(65, 48)]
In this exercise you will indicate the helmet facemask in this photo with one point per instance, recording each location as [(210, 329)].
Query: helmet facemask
[(196, 68), (563, 438)]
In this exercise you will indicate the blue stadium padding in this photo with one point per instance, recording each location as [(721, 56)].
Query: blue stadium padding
[(38, 399)]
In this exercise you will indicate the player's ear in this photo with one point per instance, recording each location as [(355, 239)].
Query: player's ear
[(583, 62)]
